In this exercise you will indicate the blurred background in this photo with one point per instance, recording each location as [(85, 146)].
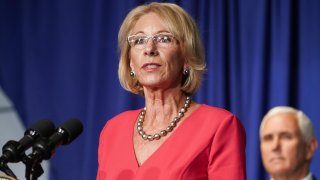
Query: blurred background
[(59, 60)]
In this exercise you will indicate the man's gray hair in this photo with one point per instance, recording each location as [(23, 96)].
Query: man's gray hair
[(304, 123)]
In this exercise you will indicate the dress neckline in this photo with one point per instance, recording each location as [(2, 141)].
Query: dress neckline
[(164, 144)]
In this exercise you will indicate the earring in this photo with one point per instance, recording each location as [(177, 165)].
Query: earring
[(185, 71), (132, 73)]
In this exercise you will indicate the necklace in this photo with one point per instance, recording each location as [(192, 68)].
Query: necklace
[(163, 132)]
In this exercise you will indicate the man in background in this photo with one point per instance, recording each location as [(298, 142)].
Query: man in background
[(287, 143)]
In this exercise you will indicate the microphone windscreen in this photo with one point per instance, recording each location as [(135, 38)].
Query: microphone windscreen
[(44, 127), (73, 127)]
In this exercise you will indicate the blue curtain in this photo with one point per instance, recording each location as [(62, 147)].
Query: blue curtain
[(59, 59)]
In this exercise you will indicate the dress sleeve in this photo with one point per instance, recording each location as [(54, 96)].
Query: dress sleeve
[(227, 153), (101, 149)]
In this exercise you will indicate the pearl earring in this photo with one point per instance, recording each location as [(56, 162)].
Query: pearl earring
[(185, 71), (132, 73)]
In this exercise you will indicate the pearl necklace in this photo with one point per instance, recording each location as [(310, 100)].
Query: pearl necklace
[(164, 132)]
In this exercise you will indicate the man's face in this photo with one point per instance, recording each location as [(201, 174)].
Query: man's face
[(282, 147)]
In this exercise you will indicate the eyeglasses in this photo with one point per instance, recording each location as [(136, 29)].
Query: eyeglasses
[(163, 40)]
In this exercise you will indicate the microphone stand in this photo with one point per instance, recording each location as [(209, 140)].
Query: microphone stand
[(33, 161), (33, 167)]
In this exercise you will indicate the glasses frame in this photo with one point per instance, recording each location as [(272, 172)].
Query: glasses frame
[(147, 38)]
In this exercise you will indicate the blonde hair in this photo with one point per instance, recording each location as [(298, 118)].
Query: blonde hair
[(304, 123), (184, 29)]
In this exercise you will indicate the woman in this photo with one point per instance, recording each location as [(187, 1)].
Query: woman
[(173, 137)]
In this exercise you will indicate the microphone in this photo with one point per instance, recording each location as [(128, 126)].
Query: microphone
[(64, 134), (14, 151)]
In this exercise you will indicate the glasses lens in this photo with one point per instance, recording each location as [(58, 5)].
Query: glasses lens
[(163, 40), (137, 41), (140, 41)]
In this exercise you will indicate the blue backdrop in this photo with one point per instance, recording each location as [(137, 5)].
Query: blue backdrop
[(59, 59)]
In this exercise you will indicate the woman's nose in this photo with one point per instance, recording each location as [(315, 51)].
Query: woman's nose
[(151, 48)]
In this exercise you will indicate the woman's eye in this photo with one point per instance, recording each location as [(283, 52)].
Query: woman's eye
[(164, 39), (139, 40)]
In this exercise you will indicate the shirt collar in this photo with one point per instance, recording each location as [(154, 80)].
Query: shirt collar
[(308, 177)]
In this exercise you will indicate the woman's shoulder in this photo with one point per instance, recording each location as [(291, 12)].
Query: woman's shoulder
[(124, 116), (218, 118), (122, 119), (208, 110)]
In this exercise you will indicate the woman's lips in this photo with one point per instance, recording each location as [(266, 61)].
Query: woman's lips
[(150, 66)]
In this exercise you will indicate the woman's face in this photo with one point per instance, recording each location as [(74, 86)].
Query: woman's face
[(157, 64)]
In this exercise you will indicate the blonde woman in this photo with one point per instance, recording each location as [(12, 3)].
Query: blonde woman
[(172, 137)]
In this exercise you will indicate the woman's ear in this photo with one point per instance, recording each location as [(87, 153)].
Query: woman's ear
[(131, 65), (186, 70)]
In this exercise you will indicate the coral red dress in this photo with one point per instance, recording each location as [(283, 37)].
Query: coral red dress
[(209, 144)]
